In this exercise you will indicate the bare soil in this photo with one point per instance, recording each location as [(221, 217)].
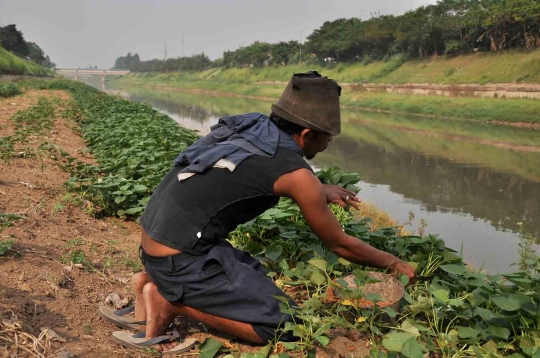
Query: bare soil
[(41, 288)]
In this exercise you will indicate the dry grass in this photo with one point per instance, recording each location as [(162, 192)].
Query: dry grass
[(379, 217), (14, 340)]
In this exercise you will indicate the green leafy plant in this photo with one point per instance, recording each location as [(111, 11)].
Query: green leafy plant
[(6, 148), (9, 90), (5, 246), (7, 220)]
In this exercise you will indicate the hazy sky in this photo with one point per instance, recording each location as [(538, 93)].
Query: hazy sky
[(79, 33)]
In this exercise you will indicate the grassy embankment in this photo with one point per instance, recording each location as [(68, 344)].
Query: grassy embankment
[(508, 67), (13, 65)]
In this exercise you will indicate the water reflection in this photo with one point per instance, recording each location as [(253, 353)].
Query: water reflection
[(442, 185), (472, 183)]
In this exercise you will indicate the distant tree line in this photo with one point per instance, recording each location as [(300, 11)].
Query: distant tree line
[(13, 40), (192, 63), (448, 27)]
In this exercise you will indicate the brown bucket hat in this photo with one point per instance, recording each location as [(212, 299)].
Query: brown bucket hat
[(311, 101)]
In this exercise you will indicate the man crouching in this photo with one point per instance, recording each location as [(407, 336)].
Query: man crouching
[(225, 179)]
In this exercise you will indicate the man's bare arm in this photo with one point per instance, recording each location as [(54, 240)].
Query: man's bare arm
[(307, 191)]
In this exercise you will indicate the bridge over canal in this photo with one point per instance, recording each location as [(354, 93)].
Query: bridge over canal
[(79, 72)]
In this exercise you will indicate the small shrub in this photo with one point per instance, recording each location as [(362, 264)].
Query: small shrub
[(6, 149), (522, 78), (9, 90), (452, 47), (367, 60)]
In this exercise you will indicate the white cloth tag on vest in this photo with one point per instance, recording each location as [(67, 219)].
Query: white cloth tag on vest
[(222, 163)]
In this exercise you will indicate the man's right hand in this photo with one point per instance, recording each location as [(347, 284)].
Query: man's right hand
[(400, 267), (308, 192)]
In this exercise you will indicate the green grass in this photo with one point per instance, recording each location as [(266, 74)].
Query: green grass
[(481, 68), (467, 108), (13, 65), (484, 109)]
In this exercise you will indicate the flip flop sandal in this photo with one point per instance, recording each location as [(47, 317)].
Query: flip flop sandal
[(138, 341), (118, 318)]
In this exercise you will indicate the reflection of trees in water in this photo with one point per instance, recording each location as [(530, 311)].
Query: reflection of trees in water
[(182, 108), (196, 106), (441, 185)]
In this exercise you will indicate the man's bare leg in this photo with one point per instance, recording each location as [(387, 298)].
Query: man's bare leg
[(137, 284), (161, 313)]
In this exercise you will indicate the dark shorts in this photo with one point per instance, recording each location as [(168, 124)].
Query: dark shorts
[(225, 282)]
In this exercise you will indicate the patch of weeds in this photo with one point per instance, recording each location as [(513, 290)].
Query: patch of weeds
[(107, 264), (76, 256), (76, 242), (41, 205), (450, 71), (484, 79), (74, 253), (58, 207), (7, 220), (5, 246), (71, 199), (57, 101), (27, 152), (111, 246), (522, 78), (134, 265), (73, 112), (9, 90), (87, 328), (59, 281), (35, 120), (528, 259), (90, 209), (6, 148)]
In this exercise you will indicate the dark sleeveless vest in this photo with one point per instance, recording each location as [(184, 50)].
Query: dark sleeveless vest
[(193, 215)]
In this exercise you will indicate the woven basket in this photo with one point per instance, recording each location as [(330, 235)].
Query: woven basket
[(390, 289)]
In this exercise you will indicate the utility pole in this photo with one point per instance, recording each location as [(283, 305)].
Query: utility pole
[(300, 58), (165, 58), (182, 44)]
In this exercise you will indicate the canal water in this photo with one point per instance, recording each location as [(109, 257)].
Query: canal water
[(471, 183)]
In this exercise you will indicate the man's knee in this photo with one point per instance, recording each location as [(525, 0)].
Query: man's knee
[(139, 280)]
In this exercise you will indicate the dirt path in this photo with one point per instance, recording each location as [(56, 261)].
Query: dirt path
[(38, 287)]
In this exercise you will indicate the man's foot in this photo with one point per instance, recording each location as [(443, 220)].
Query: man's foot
[(159, 315)]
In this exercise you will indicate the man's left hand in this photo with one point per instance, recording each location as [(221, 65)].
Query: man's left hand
[(338, 195)]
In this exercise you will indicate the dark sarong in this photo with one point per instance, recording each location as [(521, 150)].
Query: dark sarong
[(225, 282)]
